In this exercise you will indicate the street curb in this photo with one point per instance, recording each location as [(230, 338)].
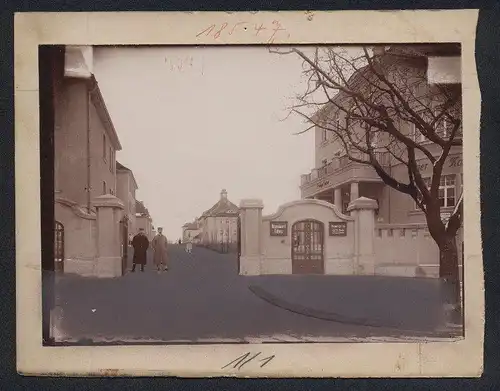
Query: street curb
[(338, 318)]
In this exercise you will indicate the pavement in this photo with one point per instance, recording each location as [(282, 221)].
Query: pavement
[(202, 299)]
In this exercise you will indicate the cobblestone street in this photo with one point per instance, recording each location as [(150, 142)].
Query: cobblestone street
[(203, 299)]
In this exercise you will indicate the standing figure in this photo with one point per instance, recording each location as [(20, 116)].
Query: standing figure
[(189, 245), (159, 244), (140, 243)]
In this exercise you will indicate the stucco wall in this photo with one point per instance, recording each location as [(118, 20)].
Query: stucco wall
[(276, 250), (101, 169), (79, 240), (410, 251), (70, 141)]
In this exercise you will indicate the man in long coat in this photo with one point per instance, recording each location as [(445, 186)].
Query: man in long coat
[(140, 243), (159, 244)]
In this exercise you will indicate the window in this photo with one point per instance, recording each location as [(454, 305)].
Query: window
[(323, 135), (415, 134), (104, 187), (402, 232), (442, 126), (104, 149), (447, 191), (110, 159)]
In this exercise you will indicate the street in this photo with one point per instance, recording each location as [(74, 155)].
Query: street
[(203, 299)]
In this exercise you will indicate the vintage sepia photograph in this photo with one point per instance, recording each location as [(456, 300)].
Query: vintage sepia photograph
[(254, 194), (248, 194)]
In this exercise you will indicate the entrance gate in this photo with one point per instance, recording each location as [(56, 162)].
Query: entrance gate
[(124, 243), (307, 247)]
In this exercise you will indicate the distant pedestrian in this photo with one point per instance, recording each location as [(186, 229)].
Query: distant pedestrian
[(160, 256), (180, 241), (189, 245), (140, 243)]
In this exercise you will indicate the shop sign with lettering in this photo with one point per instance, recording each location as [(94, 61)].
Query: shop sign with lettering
[(279, 228)]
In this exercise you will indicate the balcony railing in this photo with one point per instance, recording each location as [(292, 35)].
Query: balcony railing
[(339, 164)]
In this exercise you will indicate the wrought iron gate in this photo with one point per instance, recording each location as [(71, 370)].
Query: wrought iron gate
[(58, 247), (308, 247)]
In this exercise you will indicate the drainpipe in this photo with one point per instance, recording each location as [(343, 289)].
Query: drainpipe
[(90, 91)]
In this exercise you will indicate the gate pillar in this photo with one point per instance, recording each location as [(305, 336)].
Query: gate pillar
[(250, 236), (109, 252), (363, 211)]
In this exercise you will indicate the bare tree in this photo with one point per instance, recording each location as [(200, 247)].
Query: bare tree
[(379, 107)]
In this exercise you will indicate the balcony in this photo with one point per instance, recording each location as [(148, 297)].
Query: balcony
[(339, 171)]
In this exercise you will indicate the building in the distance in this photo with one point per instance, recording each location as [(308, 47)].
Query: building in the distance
[(191, 231), (126, 187), (219, 225), (144, 220)]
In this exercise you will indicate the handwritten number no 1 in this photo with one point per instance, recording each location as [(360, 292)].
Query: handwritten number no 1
[(243, 359)]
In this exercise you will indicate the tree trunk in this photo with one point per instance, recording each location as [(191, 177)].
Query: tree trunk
[(449, 273)]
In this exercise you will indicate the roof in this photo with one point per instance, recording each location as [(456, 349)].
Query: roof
[(190, 226), (120, 167), (140, 208), (223, 207), (404, 51), (103, 113)]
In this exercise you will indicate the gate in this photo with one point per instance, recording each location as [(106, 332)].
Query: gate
[(308, 247), (124, 243), (58, 247), (238, 238)]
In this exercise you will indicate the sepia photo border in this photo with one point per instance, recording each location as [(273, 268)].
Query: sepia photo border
[(462, 358)]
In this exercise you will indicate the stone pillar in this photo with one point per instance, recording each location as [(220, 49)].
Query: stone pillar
[(251, 227), (109, 212), (363, 211), (354, 191), (337, 198)]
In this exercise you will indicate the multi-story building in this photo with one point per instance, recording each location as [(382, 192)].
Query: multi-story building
[(219, 225), (85, 145), (144, 220), (339, 180), (126, 187)]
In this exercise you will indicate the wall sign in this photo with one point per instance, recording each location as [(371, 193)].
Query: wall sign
[(279, 228), (337, 228)]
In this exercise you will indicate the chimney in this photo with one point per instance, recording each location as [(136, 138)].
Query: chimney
[(223, 194)]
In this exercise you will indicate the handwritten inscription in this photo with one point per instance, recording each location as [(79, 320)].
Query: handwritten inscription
[(179, 63), (244, 359), (269, 31), (337, 229), (279, 228)]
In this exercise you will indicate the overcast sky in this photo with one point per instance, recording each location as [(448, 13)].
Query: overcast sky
[(193, 121)]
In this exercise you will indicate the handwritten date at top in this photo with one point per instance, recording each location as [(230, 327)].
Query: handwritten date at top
[(246, 358), (270, 31)]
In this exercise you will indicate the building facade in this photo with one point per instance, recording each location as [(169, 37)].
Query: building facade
[(126, 187), (192, 231), (218, 225), (144, 220), (87, 212), (337, 179)]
